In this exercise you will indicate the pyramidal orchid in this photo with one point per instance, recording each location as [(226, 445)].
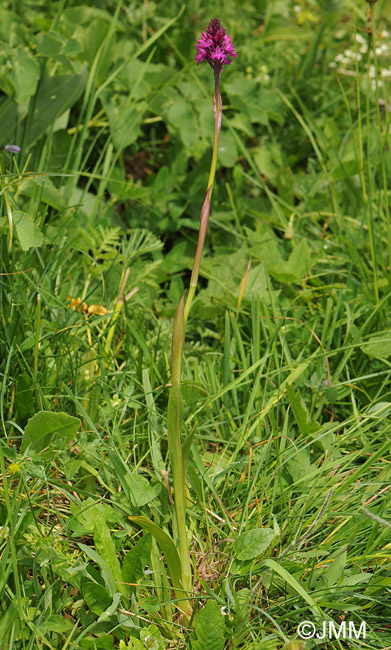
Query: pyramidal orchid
[(215, 47)]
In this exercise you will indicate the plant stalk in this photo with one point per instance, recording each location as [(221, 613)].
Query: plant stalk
[(175, 402)]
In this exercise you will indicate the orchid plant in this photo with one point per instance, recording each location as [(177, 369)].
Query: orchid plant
[(215, 47)]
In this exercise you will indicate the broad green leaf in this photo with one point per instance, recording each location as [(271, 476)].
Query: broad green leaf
[(285, 183), (182, 118), (112, 609), (259, 104), (253, 542), (268, 249), (55, 45), (263, 158), (104, 567), (132, 644), (292, 582), (296, 267), (136, 559), (356, 579), (24, 397), (29, 234), (152, 638), (55, 95), (242, 123), (9, 119), (300, 412), (57, 623), (50, 43), (167, 546), (97, 597), (125, 122), (299, 466), (43, 188), (228, 151), (378, 346), (209, 628), (47, 428), (256, 284), (141, 490), (335, 570), (10, 624), (25, 76), (106, 549), (100, 642)]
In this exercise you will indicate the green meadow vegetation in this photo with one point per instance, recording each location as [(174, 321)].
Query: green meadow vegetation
[(287, 356)]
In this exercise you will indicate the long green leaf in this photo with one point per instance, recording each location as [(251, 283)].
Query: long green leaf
[(105, 546), (296, 586), (167, 546)]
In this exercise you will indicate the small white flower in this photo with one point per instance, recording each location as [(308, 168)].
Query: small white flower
[(375, 85)]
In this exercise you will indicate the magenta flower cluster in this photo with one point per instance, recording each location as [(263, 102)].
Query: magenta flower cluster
[(215, 46)]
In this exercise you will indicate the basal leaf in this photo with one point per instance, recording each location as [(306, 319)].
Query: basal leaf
[(101, 642), (44, 188), (253, 542), (334, 571), (167, 546), (141, 490), (228, 151), (97, 597), (125, 122), (105, 547), (25, 76), (300, 412), (55, 95), (46, 428), (136, 559), (29, 234), (378, 346), (292, 582), (209, 628), (256, 284), (181, 117)]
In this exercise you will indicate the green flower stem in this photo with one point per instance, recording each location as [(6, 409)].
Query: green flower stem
[(36, 350), (206, 206), (175, 402), (175, 420), (117, 309)]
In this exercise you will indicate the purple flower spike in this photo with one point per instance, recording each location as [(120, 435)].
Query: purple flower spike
[(215, 46), (12, 148)]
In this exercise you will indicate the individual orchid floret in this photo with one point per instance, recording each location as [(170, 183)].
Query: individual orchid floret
[(215, 46), (12, 148)]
